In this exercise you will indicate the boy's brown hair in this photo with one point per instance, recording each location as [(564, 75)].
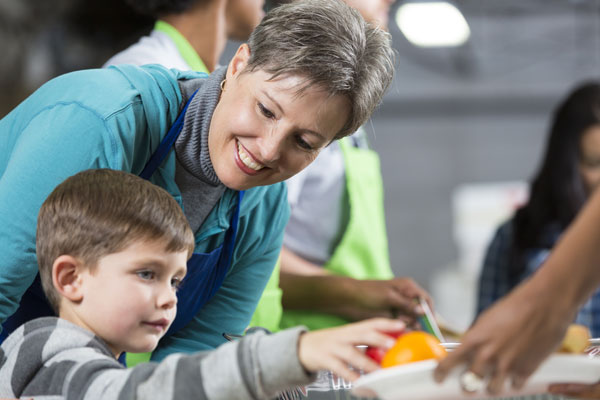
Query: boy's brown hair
[(98, 212)]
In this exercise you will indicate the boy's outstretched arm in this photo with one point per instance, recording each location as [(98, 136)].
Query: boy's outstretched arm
[(76, 364), (53, 357)]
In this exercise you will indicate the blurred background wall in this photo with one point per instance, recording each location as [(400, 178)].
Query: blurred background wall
[(459, 133)]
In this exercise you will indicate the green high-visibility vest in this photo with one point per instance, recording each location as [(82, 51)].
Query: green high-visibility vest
[(363, 250)]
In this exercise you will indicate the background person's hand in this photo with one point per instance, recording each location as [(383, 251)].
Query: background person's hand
[(310, 287), (577, 390), (335, 349), (513, 337), (387, 298), (357, 299)]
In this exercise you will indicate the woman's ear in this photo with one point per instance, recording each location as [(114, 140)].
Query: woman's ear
[(239, 61), (66, 277)]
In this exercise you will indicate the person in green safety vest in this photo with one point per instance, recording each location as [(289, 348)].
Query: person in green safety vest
[(190, 34), (334, 264)]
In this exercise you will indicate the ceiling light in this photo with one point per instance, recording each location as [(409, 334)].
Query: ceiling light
[(432, 24)]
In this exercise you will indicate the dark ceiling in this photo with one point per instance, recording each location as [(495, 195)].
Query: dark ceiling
[(521, 52)]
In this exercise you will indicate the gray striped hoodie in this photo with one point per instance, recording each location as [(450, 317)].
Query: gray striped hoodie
[(50, 358)]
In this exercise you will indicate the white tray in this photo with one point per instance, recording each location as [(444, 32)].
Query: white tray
[(415, 381)]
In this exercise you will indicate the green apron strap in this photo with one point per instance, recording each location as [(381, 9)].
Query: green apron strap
[(363, 250), (184, 47)]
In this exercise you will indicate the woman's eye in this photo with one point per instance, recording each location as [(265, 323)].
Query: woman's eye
[(146, 275), (303, 143), (265, 111), (591, 163)]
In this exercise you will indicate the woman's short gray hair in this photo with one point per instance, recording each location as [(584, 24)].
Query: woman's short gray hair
[(331, 45)]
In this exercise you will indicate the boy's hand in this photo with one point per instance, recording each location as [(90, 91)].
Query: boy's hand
[(335, 349)]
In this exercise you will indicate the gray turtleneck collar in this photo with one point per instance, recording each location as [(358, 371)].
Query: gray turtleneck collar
[(200, 187)]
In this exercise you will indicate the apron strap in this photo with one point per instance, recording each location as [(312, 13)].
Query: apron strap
[(166, 144), (206, 273)]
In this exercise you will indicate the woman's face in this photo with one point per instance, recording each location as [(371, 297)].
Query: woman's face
[(589, 165), (263, 131)]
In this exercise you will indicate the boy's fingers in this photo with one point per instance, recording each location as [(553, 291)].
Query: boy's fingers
[(360, 361), (372, 332), (377, 339), (342, 369), (349, 375), (384, 324)]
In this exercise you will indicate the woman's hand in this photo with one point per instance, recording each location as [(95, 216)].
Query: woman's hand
[(335, 349), (513, 337), (577, 390)]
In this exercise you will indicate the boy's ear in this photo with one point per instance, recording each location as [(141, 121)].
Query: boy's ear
[(239, 61), (66, 277)]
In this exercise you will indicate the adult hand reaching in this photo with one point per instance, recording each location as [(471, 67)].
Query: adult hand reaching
[(513, 337)]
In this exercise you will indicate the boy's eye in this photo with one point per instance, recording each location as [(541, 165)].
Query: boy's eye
[(146, 275), (176, 283), (265, 111)]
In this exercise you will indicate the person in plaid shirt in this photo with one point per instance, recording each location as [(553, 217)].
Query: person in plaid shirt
[(569, 173)]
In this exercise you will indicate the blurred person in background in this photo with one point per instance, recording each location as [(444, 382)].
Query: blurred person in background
[(569, 173), (510, 339), (190, 34), (334, 263), (41, 40)]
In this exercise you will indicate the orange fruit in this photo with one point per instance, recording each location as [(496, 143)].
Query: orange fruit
[(576, 339), (411, 347)]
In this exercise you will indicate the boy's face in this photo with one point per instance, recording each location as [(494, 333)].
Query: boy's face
[(130, 299)]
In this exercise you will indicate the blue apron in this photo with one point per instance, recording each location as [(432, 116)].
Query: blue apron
[(205, 271)]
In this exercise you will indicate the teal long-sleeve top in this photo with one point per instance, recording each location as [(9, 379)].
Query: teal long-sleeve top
[(115, 118)]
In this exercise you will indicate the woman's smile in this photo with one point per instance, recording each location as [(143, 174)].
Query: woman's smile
[(246, 161)]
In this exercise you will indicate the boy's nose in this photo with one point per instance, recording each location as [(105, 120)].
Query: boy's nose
[(167, 298)]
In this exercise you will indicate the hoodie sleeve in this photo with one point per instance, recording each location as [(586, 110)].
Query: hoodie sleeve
[(257, 367), (56, 362)]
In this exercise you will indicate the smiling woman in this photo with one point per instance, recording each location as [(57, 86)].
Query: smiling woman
[(273, 132), (312, 71)]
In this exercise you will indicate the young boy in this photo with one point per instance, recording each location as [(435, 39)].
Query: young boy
[(112, 250)]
